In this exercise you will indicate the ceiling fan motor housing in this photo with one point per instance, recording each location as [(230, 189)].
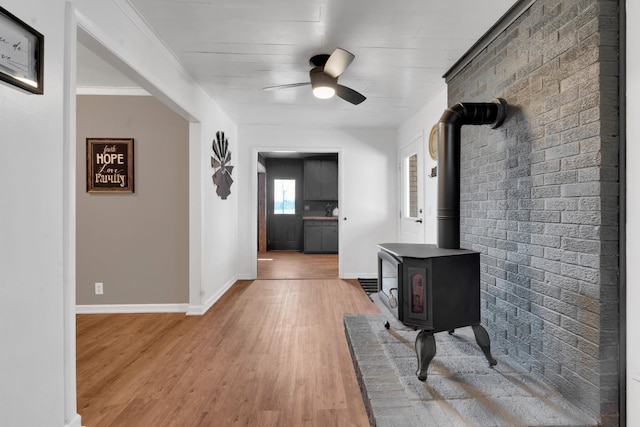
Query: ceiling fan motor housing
[(320, 79), (318, 60)]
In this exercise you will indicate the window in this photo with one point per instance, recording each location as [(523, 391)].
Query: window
[(284, 196), (411, 186)]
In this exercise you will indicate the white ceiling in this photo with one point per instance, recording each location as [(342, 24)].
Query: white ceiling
[(234, 48)]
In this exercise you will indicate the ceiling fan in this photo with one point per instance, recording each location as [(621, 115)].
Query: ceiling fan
[(323, 77)]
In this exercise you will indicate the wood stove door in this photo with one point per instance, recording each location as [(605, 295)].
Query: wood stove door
[(417, 301)]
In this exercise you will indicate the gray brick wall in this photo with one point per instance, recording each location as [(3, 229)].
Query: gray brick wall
[(539, 196)]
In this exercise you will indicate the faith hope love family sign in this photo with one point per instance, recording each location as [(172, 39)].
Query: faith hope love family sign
[(110, 165)]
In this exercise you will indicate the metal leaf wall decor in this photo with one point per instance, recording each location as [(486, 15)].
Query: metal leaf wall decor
[(219, 161)]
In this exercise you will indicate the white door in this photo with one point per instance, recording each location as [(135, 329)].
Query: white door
[(412, 192)]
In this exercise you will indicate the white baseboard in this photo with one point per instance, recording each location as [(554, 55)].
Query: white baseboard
[(75, 422), (131, 308), (199, 310), (190, 310)]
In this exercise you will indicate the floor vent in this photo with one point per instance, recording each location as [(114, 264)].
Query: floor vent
[(370, 286)]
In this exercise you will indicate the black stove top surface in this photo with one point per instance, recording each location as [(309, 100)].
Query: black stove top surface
[(420, 250)]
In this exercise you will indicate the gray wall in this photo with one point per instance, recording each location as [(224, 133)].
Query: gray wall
[(136, 244), (539, 196)]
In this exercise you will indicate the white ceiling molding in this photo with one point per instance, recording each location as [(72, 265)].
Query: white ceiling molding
[(117, 91)]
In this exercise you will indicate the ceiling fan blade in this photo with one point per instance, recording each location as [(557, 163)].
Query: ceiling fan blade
[(286, 86), (349, 95), (338, 62)]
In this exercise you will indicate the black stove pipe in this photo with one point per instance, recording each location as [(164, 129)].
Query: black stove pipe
[(486, 113)]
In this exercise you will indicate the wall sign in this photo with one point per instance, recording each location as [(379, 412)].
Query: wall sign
[(21, 54), (433, 142), (109, 165), (220, 161)]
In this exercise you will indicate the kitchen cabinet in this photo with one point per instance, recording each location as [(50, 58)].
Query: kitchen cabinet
[(321, 236), (320, 180)]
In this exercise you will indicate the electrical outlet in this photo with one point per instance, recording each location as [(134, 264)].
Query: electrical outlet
[(99, 288)]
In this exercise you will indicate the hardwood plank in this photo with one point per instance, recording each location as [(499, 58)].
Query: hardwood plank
[(297, 265), (269, 352)]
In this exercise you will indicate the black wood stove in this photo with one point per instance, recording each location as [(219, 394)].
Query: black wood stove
[(437, 288), (432, 289)]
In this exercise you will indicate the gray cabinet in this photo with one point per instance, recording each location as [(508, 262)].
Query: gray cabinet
[(321, 236), (320, 180), (330, 237)]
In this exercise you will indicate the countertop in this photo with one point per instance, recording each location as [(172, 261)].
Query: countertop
[(320, 218)]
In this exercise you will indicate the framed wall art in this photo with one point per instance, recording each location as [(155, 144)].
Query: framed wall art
[(220, 162), (110, 165), (21, 54)]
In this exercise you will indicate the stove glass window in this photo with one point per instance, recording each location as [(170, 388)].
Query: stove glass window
[(417, 292)]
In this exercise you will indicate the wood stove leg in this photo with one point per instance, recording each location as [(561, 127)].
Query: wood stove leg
[(425, 350), (482, 338)]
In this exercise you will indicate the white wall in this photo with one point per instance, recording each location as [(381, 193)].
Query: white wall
[(421, 124), (367, 189), (31, 234), (633, 213)]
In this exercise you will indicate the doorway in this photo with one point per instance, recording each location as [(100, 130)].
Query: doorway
[(412, 227), (290, 208), (82, 44)]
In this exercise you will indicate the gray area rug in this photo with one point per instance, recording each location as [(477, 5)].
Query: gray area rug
[(461, 388)]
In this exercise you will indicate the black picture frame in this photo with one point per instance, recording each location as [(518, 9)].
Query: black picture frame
[(21, 54), (110, 165)]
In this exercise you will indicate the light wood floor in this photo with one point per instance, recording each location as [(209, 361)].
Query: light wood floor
[(268, 353), (296, 265)]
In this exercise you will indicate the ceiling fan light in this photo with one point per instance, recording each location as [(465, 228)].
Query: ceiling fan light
[(323, 85), (323, 92)]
